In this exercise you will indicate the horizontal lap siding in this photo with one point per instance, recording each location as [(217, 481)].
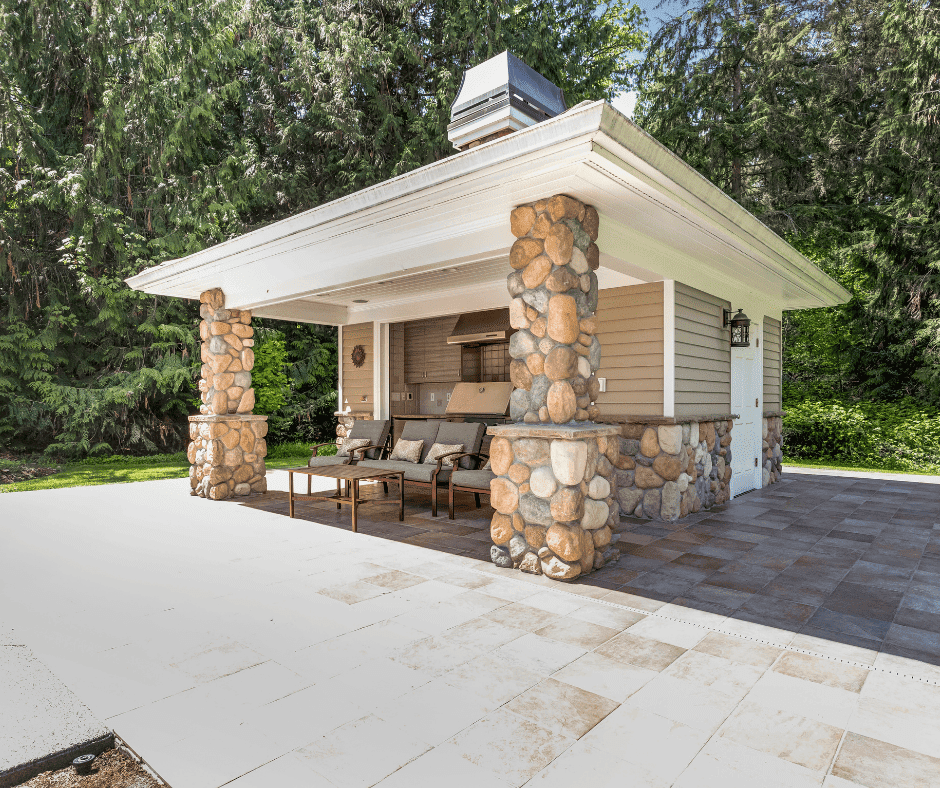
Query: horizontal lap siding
[(773, 352), (703, 353), (357, 382), (630, 330)]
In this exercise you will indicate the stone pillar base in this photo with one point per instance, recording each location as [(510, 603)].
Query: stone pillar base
[(555, 508), (227, 455), (773, 449), (668, 471)]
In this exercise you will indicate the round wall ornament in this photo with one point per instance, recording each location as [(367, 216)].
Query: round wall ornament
[(358, 355)]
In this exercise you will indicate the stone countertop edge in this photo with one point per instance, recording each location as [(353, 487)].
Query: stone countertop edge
[(228, 417), (552, 431), (773, 414), (654, 420)]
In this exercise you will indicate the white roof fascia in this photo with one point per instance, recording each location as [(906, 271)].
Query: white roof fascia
[(594, 135), (625, 144), (489, 156)]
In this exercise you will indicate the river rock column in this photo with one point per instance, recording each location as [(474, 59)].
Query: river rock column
[(227, 446), (554, 299), (556, 510)]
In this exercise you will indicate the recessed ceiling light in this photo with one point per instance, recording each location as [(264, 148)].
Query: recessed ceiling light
[(360, 300)]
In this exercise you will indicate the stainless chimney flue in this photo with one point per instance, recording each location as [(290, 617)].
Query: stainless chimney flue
[(498, 97)]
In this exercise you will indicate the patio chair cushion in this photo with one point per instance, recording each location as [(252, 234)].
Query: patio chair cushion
[(422, 431), (407, 451), (414, 472), (439, 449), (375, 431), (478, 480), (351, 443), (326, 459), (467, 433)]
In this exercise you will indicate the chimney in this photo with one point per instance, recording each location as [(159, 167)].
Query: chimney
[(498, 97)]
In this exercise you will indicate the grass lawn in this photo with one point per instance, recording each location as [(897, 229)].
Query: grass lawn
[(830, 467), (117, 470)]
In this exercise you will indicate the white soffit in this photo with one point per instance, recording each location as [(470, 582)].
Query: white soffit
[(659, 220)]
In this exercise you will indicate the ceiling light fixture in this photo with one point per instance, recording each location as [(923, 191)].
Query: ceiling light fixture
[(360, 300)]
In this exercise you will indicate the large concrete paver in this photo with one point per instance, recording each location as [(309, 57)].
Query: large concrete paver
[(232, 646), (42, 723)]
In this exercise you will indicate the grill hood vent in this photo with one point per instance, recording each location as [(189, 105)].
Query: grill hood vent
[(498, 97), (482, 328)]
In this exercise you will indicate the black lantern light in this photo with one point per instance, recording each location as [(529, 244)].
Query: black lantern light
[(740, 326)]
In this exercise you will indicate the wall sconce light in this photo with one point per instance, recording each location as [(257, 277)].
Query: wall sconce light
[(740, 326)]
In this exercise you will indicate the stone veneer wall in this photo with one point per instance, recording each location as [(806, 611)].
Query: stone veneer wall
[(227, 455), (773, 447), (554, 289), (227, 447), (555, 508), (668, 471)]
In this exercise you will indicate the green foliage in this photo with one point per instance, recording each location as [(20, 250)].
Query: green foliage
[(269, 376), (820, 117), (899, 436), (131, 134)]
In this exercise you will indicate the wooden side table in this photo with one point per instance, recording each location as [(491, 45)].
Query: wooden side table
[(351, 475)]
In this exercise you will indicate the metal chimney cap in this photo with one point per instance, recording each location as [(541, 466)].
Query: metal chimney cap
[(506, 74), (498, 97)]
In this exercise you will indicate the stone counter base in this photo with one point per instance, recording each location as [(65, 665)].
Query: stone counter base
[(555, 508), (668, 471), (227, 455), (773, 450)]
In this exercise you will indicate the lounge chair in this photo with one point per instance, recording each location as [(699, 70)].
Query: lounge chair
[(422, 474), (476, 481), (376, 432)]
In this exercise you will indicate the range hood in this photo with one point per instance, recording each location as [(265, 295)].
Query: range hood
[(482, 328)]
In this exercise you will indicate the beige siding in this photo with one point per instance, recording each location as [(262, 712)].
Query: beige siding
[(357, 382), (703, 354), (773, 364), (630, 330)]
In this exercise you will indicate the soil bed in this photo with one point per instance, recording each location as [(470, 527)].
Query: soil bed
[(21, 469), (112, 769)]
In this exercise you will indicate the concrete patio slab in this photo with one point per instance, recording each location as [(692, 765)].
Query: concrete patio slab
[(231, 645), (43, 724)]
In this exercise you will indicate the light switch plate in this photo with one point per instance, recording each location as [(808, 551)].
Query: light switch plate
[(432, 396), (602, 383)]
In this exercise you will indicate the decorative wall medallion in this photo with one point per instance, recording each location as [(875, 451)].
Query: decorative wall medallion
[(358, 355)]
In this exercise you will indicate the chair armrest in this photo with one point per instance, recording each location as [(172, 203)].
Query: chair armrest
[(362, 449), (319, 445), (457, 455)]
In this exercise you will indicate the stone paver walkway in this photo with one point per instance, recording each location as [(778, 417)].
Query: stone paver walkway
[(231, 645)]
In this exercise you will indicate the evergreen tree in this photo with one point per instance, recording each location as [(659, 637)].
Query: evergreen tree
[(821, 118), (136, 133)]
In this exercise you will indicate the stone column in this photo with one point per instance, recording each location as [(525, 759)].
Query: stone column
[(772, 448), (227, 447), (556, 511), (554, 288)]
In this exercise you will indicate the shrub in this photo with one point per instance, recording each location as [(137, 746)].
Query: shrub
[(902, 435)]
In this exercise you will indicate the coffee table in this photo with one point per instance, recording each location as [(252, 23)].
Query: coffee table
[(351, 475)]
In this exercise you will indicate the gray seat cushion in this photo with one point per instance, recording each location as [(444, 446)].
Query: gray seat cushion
[(465, 433), (421, 431), (326, 459), (479, 480), (414, 472), (376, 432)]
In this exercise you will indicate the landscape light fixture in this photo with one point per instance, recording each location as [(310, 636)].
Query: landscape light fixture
[(740, 326)]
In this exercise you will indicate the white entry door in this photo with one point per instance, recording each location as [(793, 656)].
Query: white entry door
[(746, 391)]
